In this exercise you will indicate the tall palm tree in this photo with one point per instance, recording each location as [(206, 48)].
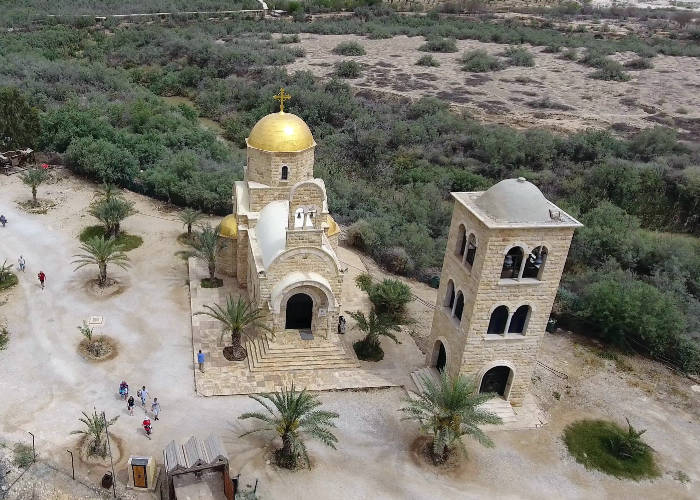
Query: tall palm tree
[(296, 415), (101, 252), (33, 178), (95, 428), (189, 217), (206, 245), (111, 211), (236, 316), (447, 409), (374, 326)]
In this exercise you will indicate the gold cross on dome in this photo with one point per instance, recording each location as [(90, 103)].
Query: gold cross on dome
[(281, 97)]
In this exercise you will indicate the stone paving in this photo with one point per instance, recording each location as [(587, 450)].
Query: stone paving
[(222, 377)]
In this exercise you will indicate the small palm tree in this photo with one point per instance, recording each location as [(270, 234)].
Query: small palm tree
[(390, 297), (101, 252), (206, 246), (33, 178), (374, 326), (236, 316), (111, 211), (88, 333), (5, 271), (189, 217), (296, 415), (108, 191), (95, 428), (448, 409)]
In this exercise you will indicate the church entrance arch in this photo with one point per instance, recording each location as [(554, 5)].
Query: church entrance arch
[(299, 312), (441, 357), (496, 380)]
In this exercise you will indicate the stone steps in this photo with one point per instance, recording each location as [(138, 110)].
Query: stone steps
[(421, 373), (266, 357)]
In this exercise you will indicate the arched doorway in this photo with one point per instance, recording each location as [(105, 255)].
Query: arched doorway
[(441, 360), (299, 311), (496, 380)]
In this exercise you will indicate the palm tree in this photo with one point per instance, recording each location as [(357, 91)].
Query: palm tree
[(206, 245), (5, 271), (111, 211), (448, 409), (100, 252), (390, 297), (297, 415), (374, 326), (189, 217), (95, 428), (33, 178), (236, 316), (108, 191)]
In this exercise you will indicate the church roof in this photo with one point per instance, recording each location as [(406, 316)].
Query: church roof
[(333, 227), (281, 132), (516, 203), (271, 230)]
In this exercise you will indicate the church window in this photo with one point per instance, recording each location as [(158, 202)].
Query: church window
[(285, 172), (499, 318), (471, 250), (459, 306), (518, 323), (512, 263), (461, 241), (534, 264), (450, 295)]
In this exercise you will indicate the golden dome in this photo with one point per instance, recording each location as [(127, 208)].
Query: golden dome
[(228, 227), (282, 133), (333, 227)]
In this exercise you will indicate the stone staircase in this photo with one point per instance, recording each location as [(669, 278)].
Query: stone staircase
[(496, 405), (267, 356)]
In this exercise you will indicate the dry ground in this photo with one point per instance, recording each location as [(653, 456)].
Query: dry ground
[(45, 384), (666, 94)]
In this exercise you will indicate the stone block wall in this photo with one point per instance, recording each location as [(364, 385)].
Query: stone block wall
[(265, 167), (258, 197), (304, 238), (226, 260)]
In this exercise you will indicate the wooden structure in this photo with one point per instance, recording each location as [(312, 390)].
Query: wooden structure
[(12, 162), (197, 469), (143, 473)]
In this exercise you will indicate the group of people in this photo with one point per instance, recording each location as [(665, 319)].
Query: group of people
[(142, 394), (22, 266)]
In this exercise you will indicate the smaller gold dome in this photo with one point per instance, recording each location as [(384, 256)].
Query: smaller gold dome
[(333, 227), (281, 133), (228, 227)]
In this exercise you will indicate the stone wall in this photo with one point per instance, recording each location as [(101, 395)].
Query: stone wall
[(304, 238), (265, 167), (226, 259), (260, 196)]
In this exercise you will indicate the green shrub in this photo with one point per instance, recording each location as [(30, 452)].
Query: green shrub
[(289, 39), (479, 61), (439, 45), (364, 282), (519, 56), (603, 445), (570, 54), (24, 455), (350, 48), (127, 241), (553, 48), (4, 338), (390, 297), (639, 63), (348, 69), (427, 60), (610, 70)]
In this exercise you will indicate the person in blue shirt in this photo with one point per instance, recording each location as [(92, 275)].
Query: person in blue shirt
[(200, 360)]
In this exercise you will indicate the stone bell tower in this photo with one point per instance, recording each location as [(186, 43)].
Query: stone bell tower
[(505, 255)]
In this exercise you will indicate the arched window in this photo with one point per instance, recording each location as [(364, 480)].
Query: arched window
[(534, 264), (450, 295), (518, 323), (285, 172), (471, 249), (461, 241), (512, 263), (499, 318), (459, 306)]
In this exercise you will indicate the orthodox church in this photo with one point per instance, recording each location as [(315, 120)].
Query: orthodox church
[(280, 239)]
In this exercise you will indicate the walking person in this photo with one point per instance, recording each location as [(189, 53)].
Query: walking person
[(155, 407), (22, 264), (200, 360), (3, 220), (42, 278), (143, 394), (130, 405)]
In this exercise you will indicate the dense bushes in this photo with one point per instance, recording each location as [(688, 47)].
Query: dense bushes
[(347, 69), (439, 45), (427, 60), (349, 49), (519, 56), (479, 61)]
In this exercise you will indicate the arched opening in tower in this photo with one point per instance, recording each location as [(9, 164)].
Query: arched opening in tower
[(299, 312), (496, 380), (441, 360)]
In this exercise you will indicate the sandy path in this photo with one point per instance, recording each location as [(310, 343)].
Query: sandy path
[(45, 384)]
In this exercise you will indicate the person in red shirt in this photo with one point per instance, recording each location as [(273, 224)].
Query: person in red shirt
[(42, 278)]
